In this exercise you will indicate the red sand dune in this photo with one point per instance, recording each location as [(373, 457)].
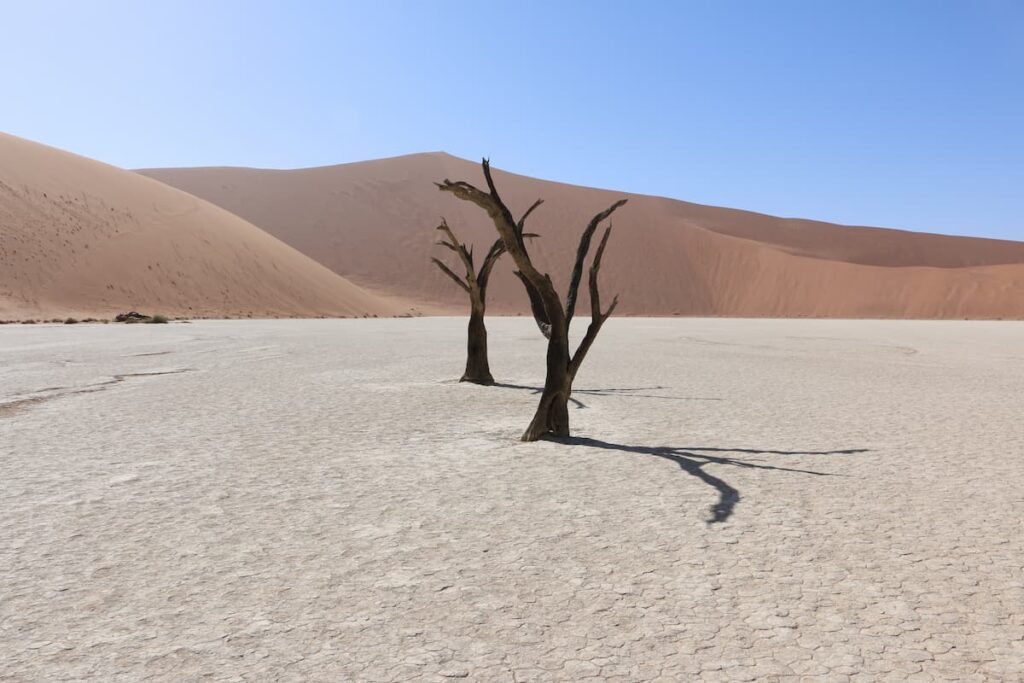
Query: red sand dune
[(78, 237), (373, 223)]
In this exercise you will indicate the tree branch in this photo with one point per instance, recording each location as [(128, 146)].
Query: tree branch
[(458, 247), (503, 222), (550, 312), (597, 318), (486, 163), (493, 254), (595, 268), (450, 273), (522, 221), (540, 316), (581, 255)]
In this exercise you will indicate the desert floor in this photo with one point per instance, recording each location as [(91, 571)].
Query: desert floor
[(320, 501)]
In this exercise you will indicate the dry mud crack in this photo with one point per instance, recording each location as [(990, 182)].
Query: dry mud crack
[(16, 405)]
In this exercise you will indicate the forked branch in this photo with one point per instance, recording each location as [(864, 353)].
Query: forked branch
[(581, 255), (521, 223), (597, 317), (465, 255), (475, 281), (493, 254)]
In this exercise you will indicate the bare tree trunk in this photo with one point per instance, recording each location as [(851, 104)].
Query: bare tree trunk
[(552, 416), (478, 369)]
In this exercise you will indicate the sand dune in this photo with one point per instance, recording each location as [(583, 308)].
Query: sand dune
[(372, 222), (78, 237)]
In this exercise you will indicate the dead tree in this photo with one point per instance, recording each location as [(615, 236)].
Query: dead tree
[(552, 416), (478, 368)]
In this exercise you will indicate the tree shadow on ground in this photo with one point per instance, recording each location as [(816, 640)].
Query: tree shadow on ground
[(622, 391), (692, 459)]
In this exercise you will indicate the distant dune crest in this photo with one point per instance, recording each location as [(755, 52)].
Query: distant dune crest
[(372, 222), (79, 237)]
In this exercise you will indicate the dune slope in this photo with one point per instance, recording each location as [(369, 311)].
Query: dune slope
[(79, 237), (373, 223)]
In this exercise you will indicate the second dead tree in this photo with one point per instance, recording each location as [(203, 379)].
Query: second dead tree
[(478, 369), (552, 416)]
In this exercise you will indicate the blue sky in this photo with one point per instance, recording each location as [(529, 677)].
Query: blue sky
[(899, 114)]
